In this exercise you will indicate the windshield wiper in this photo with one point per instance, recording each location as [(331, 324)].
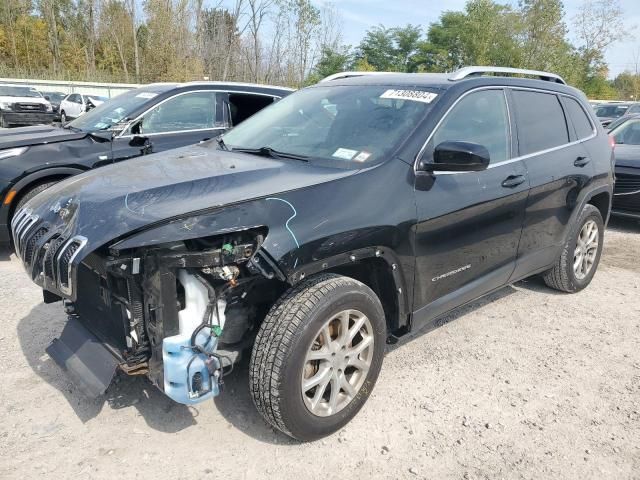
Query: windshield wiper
[(69, 127), (221, 144), (270, 152)]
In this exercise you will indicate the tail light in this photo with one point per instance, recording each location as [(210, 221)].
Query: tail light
[(612, 142)]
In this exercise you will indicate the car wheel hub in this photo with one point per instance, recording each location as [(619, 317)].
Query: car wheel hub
[(337, 363), (586, 250)]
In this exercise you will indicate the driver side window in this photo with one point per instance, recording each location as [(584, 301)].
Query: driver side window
[(189, 111), (481, 118)]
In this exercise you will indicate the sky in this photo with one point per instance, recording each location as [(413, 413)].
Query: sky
[(360, 15)]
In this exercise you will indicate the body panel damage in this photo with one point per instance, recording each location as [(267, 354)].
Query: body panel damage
[(177, 268)]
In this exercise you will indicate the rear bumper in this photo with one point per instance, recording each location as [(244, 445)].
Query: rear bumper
[(30, 118)]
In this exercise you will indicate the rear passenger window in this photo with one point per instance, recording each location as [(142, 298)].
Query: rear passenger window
[(481, 118), (540, 120), (579, 118)]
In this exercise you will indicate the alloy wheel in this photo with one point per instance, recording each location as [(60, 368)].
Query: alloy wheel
[(586, 250), (337, 363)]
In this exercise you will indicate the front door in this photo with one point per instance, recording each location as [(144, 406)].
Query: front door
[(185, 119), (469, 223)]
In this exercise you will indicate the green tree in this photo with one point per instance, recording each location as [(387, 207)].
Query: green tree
[(331, 61)]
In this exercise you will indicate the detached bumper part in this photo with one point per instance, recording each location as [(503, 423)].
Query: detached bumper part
[(89, 364)]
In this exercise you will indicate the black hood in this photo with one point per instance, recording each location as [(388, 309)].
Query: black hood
[(627, 155), (37, 135), (109, 202)]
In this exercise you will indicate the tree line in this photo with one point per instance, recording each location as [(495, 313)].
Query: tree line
[(295, 42)]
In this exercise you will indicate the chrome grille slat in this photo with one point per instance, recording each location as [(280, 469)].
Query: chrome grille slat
[(64, 261), (47, 255), (30, 223)]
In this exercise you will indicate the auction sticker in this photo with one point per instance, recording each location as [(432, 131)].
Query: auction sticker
[(146, 95), (413, 95), (344, 153)]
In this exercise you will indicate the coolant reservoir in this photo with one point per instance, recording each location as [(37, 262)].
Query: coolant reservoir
[(183, 366)]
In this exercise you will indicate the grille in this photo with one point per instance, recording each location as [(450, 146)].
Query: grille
[(627, 183), (64, 261), (31, 242), (627, 202), (29, 107), (45, 252)]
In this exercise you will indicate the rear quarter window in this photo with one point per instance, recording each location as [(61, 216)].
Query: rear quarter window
[(540, 121), (579, 118)]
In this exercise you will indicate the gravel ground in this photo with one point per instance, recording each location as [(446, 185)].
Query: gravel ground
[(527, 383)]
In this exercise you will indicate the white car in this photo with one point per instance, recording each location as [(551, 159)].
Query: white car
[(23, 105), (75, 104)]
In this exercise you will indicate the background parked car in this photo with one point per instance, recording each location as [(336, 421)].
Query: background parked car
[(149, 119), (75, 104), (609, 112), (626, 199), (23, 105), (55, 98)]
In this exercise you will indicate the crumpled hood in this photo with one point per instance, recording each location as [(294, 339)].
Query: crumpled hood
[(109, 202), (37, 135), (627, 155)]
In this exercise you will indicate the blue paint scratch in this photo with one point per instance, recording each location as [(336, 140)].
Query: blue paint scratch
[(290, 218)]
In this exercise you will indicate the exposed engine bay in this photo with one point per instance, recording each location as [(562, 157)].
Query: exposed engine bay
[(181, 313)]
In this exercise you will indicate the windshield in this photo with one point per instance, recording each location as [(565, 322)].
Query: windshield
[(113, 111), (349, 124), (627, 133), (611, 111), (13, 91)]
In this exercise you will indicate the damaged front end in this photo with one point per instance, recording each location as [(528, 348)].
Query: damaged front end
[(179, 313)]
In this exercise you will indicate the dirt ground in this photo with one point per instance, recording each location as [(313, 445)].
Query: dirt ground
[(527, 383)]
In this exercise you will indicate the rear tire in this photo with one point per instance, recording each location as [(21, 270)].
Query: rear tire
[(63, 117), (3, 122), (580, 255), (293, 349)]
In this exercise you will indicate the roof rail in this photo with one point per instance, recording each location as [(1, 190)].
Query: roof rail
[(337, 76), (477, 70)]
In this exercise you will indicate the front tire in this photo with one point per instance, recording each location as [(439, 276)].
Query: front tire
[(3, 122), (317, 356), (63, 117), (580, 255)]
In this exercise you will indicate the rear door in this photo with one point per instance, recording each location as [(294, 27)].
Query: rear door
[(558, 167), (184, 119), (469, 223)]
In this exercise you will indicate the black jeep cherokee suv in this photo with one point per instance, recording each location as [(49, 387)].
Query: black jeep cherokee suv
[(339, 218), (149, 119)]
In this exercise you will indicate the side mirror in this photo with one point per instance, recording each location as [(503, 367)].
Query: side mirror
[(47, 97), (458, 157)]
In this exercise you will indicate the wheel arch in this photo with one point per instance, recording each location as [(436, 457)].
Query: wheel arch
[(377, 267), (26, 183)]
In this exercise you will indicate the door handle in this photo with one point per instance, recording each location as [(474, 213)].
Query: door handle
[(513, 181), (581, 161)]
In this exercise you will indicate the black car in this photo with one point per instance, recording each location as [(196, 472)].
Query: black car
[(149, 119), (55, 98), (338, 219), (626, 197)]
